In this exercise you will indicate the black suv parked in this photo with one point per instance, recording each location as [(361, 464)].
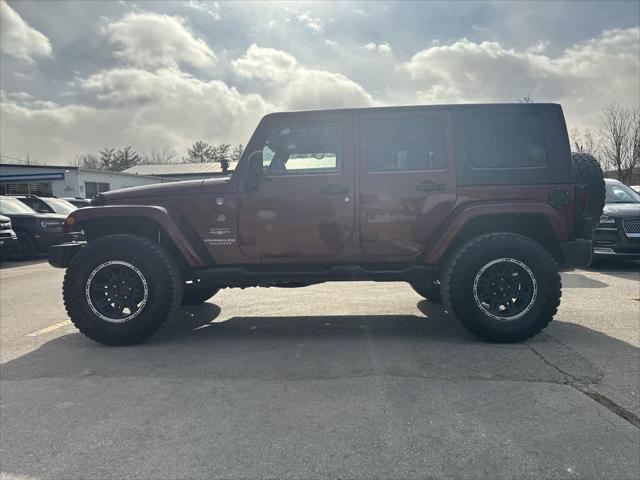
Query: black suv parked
[(47, 204), (618, 232), (8, 237), (35, 231)]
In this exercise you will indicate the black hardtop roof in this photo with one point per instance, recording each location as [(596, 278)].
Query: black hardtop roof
[(487, 107)]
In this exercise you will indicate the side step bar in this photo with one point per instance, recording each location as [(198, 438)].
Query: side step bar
[(268, 275)]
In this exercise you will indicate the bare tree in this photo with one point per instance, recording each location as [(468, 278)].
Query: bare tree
[(87, 160), (236, 153), (160, 156), (584, 142), (618, 140), (635, 140)]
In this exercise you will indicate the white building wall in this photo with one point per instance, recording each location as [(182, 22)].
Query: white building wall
[(115, 180), (70, 182)]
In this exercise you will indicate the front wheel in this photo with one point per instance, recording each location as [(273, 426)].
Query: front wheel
[(503, 287), (119, 289)]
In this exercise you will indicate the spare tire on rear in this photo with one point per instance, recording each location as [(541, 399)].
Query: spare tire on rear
[(587, 173)]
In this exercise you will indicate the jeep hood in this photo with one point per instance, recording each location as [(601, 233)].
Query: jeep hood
[(168, 189)]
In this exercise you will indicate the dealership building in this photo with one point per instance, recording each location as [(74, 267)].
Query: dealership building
[(65, 181)]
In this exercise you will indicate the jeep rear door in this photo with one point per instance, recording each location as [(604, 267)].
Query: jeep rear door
[(302, 206), (407, 179)]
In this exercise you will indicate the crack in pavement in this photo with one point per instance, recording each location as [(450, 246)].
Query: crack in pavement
[(585, 389)]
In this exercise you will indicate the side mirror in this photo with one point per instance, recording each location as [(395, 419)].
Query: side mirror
[(255, 171)]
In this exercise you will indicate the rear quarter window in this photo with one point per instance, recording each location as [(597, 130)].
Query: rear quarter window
[(506, 141)]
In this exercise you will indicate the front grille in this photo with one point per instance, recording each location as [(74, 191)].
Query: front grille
[(631, 226)]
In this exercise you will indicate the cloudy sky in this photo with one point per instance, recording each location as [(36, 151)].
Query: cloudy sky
[(79, 76)]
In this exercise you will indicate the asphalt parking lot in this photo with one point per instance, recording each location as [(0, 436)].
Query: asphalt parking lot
[(359, 380)]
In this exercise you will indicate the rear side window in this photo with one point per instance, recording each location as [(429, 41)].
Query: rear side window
[(413, 143), (506, 141)]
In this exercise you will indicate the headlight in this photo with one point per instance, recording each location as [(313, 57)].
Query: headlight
[(607, 219), (47, 224)]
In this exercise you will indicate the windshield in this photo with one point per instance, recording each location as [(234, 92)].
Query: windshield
[(12, 206), (60, 206), (620, 193)]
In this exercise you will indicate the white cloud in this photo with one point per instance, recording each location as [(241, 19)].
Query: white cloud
[(140, 108), (152, 40), (265, 64), (299, 87), (309, 89), (312, 23), (584, 78), (18, 38), (212, 9), (382, 48)]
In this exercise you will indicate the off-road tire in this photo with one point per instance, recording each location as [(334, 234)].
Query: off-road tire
[(587, 171), (462, 268), (429, 291), (25, 248), (198, 295), (163, 279)]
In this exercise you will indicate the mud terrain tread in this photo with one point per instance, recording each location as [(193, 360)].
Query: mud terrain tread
[(545, 317), (73, 296), (587, 171)]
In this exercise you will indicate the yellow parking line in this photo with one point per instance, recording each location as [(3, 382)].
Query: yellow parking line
[(50, 328)]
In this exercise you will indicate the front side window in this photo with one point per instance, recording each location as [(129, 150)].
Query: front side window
[(506, 141), (413, 143), (308, 149)]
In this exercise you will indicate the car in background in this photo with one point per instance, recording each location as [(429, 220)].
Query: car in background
[(35, 231), (47, 204), (618, 231), (78, 201), (8, 238)]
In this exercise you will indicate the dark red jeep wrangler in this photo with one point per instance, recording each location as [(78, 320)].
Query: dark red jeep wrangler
[(477, 206)]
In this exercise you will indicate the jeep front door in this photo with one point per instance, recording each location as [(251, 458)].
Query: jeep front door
[(407, 180), (301, 204)]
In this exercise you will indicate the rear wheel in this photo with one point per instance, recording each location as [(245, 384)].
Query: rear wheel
[(121, 288), (197, 295), (503, 287), (430, 291)]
